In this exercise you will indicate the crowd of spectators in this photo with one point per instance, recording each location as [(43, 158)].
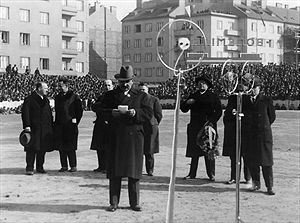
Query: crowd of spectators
[(280, 81)]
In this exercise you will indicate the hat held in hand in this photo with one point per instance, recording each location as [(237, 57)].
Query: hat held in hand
[(25, 138), (126, 73)]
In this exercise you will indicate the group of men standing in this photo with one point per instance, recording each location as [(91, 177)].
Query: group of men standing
[(126, 130)]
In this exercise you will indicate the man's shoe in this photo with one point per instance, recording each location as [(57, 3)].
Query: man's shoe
[(136, 207), (231, 181), (73, 169), (248, 182), (112, 208), (97, 170), (29, 172), (212, 178), (270, 191), (150, 174), (254, 188), (189, 178), (41, 171), (63, 169)]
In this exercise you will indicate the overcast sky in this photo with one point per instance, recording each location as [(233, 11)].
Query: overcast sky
[(126, 6)]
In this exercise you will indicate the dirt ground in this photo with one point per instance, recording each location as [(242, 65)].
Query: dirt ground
[(83, 196)]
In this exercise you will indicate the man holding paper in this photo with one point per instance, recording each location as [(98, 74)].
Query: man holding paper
[(129, 109)]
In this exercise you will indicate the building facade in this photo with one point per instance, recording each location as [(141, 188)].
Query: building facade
[(105, 41), (231, 29), (46, 34)]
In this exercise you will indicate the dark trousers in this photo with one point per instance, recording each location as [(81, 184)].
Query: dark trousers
[(267, 174), (30, 158), (115, 190), (101, 154), (247, 175), (65, 155), (209, 164), (149, 162)]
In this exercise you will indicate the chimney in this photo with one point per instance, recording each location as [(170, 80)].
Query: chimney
[(278, 5), (113, 10), (286, 6), (139, 3)]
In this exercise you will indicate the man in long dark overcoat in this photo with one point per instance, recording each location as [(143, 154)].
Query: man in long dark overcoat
[(68, 113), (37, 118), (204, 105), (229, 143), (100, 139), (257, 139), (125, 156), (151, 142)]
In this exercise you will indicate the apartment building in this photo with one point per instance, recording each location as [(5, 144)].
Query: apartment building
[(232, 28), (47, 34)]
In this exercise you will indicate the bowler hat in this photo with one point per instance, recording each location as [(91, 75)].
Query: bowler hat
[(126, 73), (256, 82), (25, 138), (204, 78)]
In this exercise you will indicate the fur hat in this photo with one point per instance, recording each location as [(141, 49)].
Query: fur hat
[(126, 73), (25, 138), (204, 78)]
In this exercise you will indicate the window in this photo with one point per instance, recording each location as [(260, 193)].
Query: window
[(65, 44), (137, 43), (138, 28), (79, 46), (137, 58), (159, 72), (127, 58), (200, 23), (279, 29), (64, 2), (148, 42), (148, 27), (253, 26), (4, 61), (160, 41), (44, 40), (44, 63), (271, 57), (44, 17), (80, 5), (79, 67), (230, 25), (148, 72), (279, 58), (137, 72), (219, 54), (25, 39), (271, 28), (279, 44), (80, 26), (271, 43), (126, 30), (24, 15), (148, 57), (4, 12), (262, 28), (263, 57), (126, 44), (161, 55), (64, 65), (24, 62), (219, 24), (4, 37), (159, 25)]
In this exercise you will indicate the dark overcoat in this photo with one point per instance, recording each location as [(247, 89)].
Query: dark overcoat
[(101, 135), (257, 139), (125, 156), (37, 114), (67, 107), (207, 107), (151, 144), (229, 120)]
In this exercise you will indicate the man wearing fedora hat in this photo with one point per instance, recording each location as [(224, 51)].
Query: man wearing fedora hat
[(129, 109), (257, 139), (205, 107), (37, 136)]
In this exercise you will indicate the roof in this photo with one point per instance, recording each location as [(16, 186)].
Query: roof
[(287, 15), (161, 10)]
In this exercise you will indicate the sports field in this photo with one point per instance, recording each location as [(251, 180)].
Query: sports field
[(83, 196)]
